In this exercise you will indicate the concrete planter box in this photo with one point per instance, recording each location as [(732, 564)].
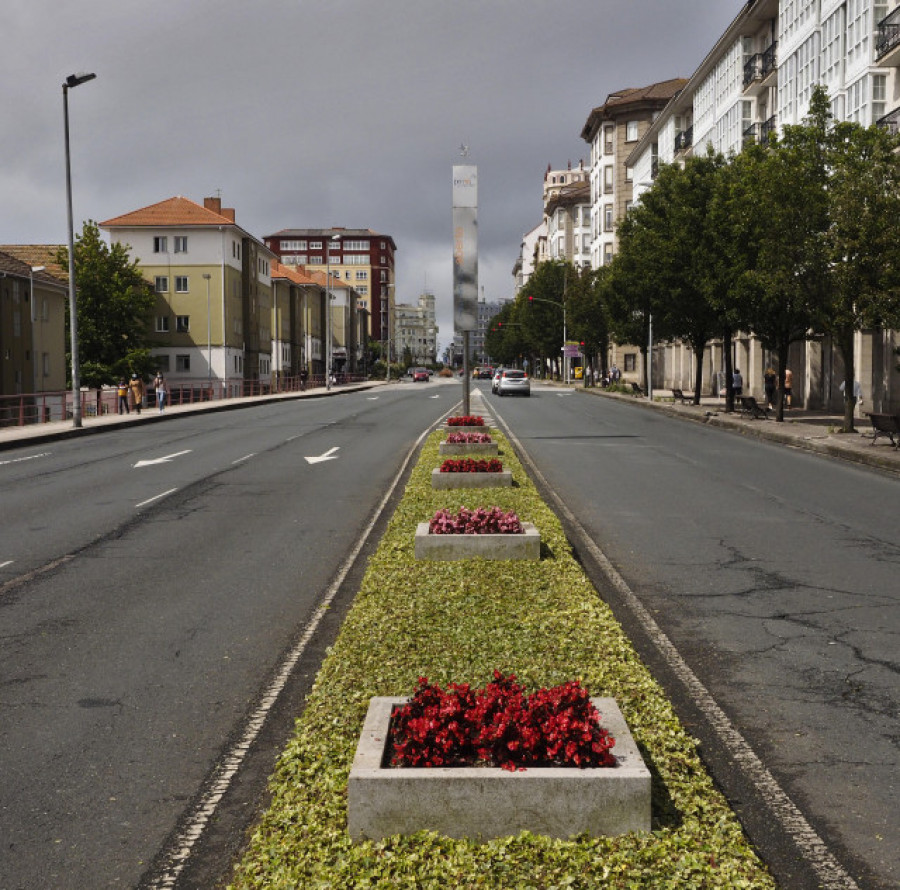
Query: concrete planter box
[(441, 481), (451, 449), (487, 802), (467, 429), (453, 547)]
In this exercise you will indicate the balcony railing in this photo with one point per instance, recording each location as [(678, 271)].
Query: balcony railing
[(887, 34), (766, 130), (684, 139), (751, 133), (760, 65), (890, 122)]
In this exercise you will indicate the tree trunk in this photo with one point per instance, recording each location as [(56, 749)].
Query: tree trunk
[(698, 376), (727, 341), (782, 367), (845, 347)]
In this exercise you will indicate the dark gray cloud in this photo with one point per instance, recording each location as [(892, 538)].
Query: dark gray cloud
[(318, 114)]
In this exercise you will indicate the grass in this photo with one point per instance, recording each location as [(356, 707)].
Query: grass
[(458, 622)]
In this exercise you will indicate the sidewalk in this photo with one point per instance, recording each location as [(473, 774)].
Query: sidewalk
[(15, 436), (815, 431)]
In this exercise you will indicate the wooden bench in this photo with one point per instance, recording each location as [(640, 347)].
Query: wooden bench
[(886, 425), (750, 406), (636, 389), (679, 396)]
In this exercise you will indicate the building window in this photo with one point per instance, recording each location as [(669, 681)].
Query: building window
[(181, 284), (315, 245), (45, 364), (629, 174), (608, 140), (362, 275), (631, 131), (607, 217), (162, 324), (182, 323), (630, 362), (608, 178), (293, 245), (180, 243), (162, 363), (182, 363), (162, 284), (159, 244)]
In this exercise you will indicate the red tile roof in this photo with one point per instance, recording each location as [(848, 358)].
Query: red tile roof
[(176, 211)]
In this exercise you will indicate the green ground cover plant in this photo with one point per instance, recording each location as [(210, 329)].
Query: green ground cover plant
[(456, 622)]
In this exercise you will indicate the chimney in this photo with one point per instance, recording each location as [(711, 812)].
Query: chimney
[(214, 204), (228, 213)]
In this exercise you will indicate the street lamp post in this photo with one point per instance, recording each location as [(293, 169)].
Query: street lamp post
[(388, 288), (73, 80), (328, 298), (207, 277), (563, 307)]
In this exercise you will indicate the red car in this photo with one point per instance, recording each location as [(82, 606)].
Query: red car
[(420, 375)]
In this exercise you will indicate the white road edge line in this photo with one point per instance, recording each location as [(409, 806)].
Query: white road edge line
[(8, 562), (18, 460), (155, 498), (231, 762), (793, 823), (245, 457)]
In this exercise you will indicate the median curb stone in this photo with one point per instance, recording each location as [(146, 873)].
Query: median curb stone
[(450, 448), (488, 802)]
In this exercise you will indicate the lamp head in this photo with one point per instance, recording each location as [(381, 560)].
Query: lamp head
[(74, 80)]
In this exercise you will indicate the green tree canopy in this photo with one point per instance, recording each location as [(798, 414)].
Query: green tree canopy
[(114, 304)]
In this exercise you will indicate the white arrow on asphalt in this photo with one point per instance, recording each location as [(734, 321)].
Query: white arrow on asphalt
[(328, 455), (434, 397), (160, 460)]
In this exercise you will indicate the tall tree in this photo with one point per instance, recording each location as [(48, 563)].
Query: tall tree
[(777, 245), (862, 242), (542, 315), (589, 318), (113, 306)]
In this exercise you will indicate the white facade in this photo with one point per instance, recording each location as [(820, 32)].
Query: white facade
[(415, 328)]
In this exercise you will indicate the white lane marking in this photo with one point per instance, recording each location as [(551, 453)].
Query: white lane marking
[(18, 460), (784, 811), (372, 399), (328, 455), (155, 498), (8, 562), (231, 763), (160, 460), (434, 397), (245, 457)]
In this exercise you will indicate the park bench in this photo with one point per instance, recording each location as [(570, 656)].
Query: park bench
[(636, 389), (750, 406), (886, 425), (679, 396)]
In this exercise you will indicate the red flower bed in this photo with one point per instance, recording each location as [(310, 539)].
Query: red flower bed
[(470, 465), (499, 726), (469, 439), (466, 420), (492, 521)]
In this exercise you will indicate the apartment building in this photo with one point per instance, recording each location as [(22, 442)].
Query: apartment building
[(532, 250), (612, 130), (213, 284), (414, 328), (361, 258), (33, 305), (568, 218), (298, 323), (758, 78)]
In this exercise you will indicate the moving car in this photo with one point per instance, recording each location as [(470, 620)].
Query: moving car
[(420, 374), (513, 382), (495, 380)]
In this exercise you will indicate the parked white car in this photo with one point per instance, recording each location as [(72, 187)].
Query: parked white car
[(513, 383)]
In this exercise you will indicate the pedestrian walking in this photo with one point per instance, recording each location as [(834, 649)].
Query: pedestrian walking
[(122, 394), (737, 382), (136, 385), (159, 385), (770, 384), (788, 387)]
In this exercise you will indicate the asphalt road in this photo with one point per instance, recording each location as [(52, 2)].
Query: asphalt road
[(151, 579), (775, 575)]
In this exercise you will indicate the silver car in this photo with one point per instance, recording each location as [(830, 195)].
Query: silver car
[(495, 380), (513, 383)]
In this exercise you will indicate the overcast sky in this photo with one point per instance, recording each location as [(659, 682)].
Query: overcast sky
[(346, 113)]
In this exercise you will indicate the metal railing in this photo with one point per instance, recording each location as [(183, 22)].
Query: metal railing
[(890, 122), (760, 65), (684, 139), (887, 33), (46, 407)]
